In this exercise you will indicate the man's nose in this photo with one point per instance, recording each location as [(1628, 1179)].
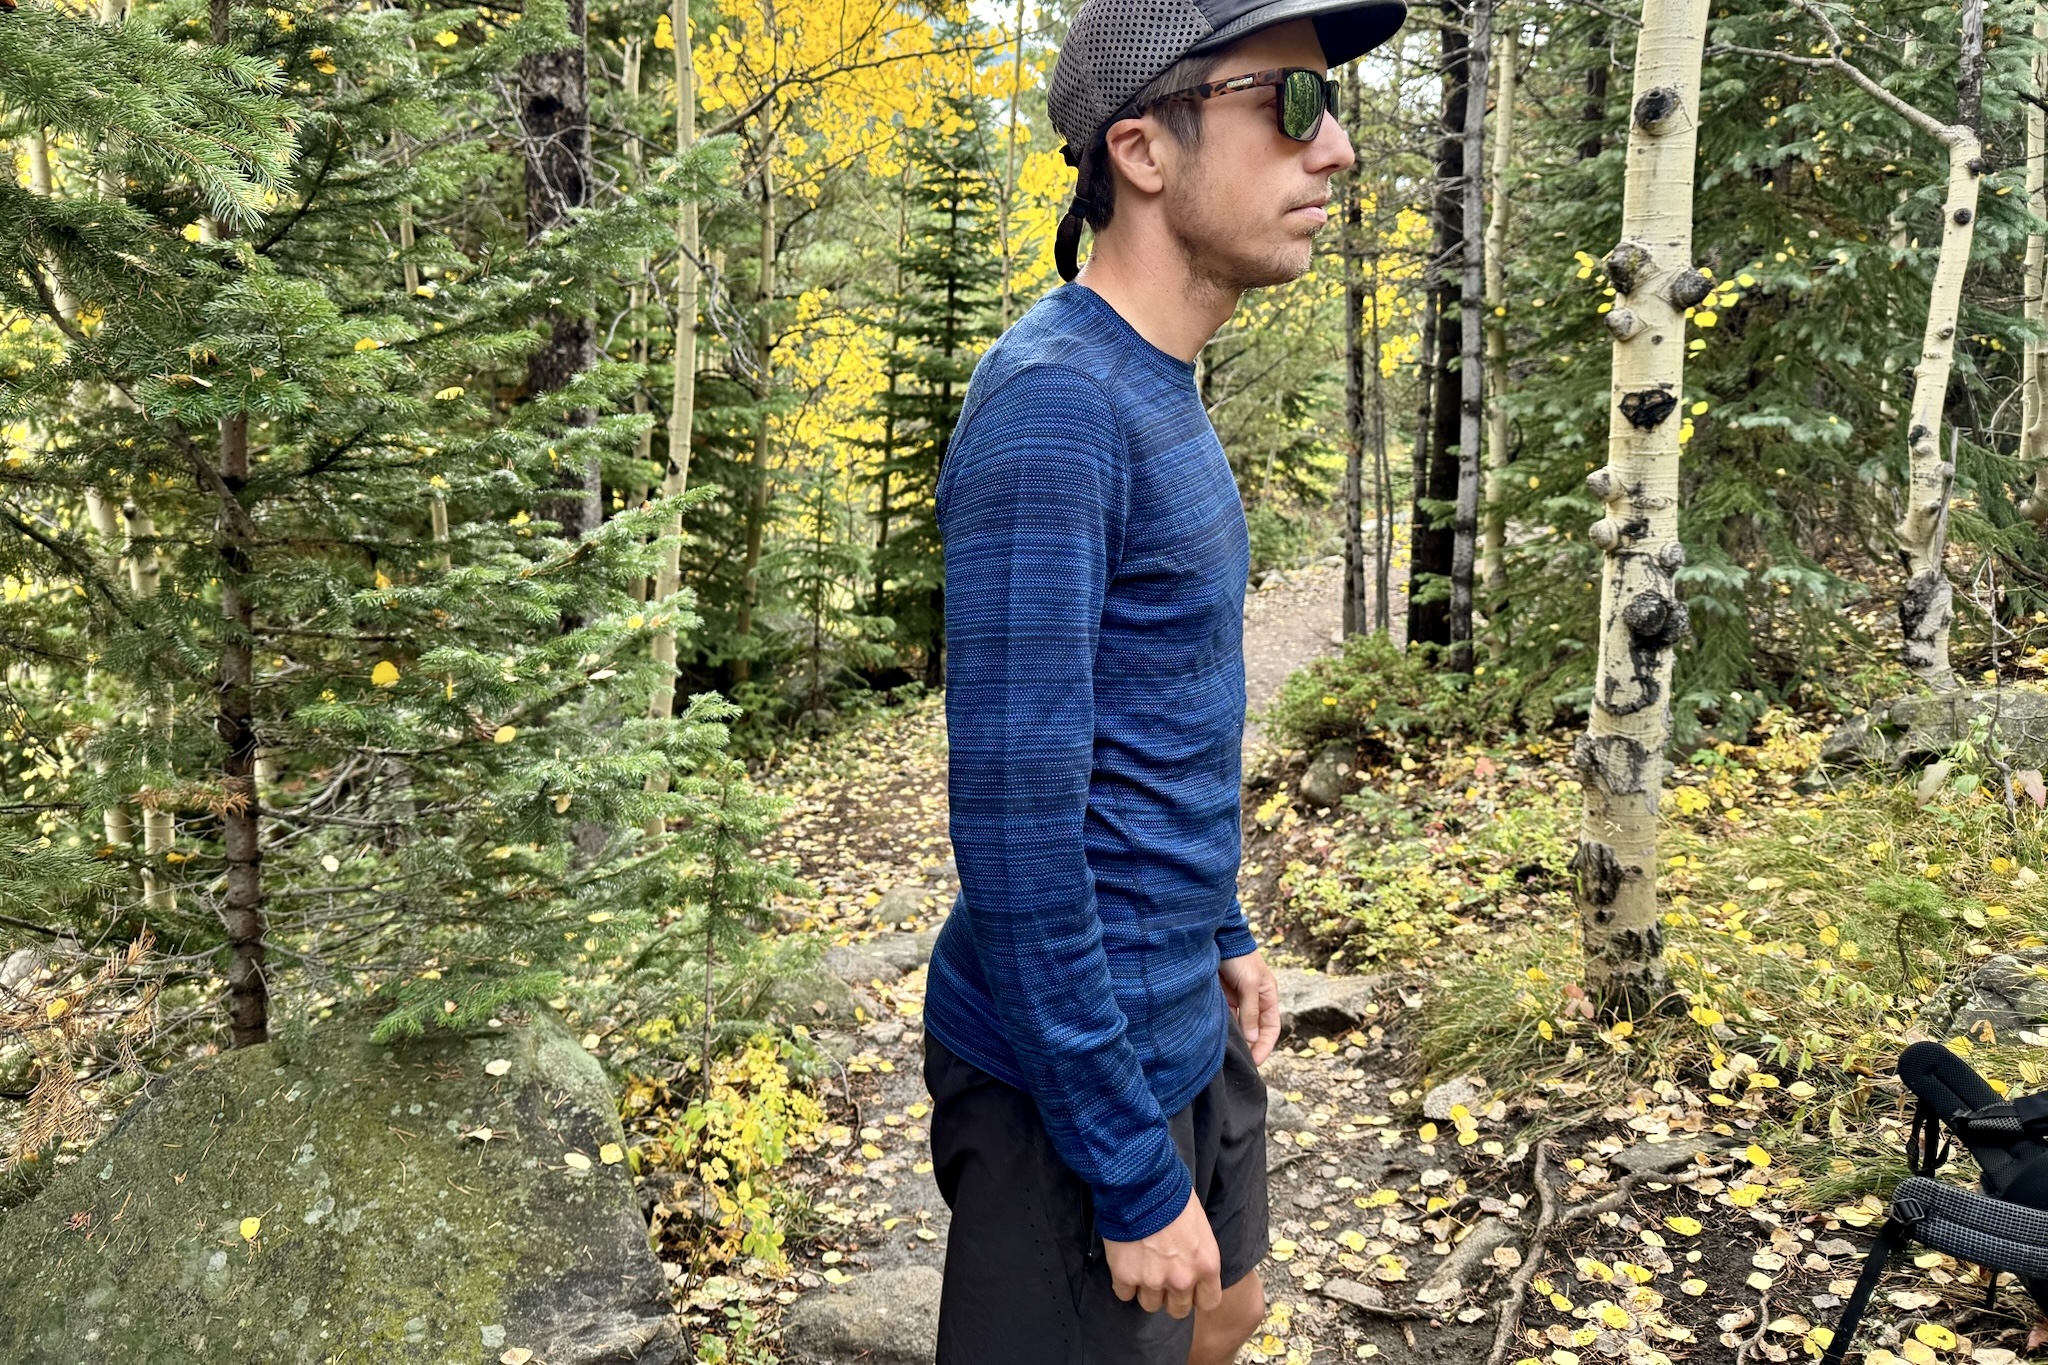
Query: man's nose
[(1331, 151)]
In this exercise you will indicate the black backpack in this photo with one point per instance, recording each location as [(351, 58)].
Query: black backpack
[(2003, 1229)]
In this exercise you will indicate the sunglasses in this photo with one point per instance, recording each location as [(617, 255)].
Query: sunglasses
[(1305, 96)]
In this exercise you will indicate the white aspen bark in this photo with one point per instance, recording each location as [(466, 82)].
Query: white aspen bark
[(159, 827), (1353, 616), (1621, 756), (2033, 423), (1471, 338), (1493, 573), (1927, 608), (1010, 168), (683, 390)]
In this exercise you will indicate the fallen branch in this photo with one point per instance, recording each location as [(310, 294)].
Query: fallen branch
[(1510, 1308), (1763, 1322)]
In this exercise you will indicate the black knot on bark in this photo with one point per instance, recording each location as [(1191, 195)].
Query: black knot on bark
[(1654, 108), (1688, 288), (1654, 619), (1978, 165), (1647, 409), (1963, 217), (1672, 557), (1625, 266), (1598, 873)]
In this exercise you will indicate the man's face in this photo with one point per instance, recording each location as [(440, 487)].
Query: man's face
[(1244, 205)]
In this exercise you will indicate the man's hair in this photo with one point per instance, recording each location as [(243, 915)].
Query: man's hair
[(1181, 118)]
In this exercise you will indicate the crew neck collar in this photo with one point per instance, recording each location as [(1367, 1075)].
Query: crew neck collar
[(1088, 298)]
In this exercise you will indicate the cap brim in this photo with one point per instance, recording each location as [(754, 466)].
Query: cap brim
[(1348, 29)]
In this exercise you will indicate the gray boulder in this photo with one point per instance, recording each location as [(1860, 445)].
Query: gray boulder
[(1314, 1000), (857, 967), (2009, 991), (904, 952), (1913, 731), (889, 1317), (394, 1230), (1324, 782), (1662, 1158)]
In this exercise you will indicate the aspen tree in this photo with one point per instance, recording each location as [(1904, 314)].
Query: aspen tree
[(1621, 755), (1927, 606), (683, 386), (1493, 573), (1471, 335), (1010, 170), (2033, 413)]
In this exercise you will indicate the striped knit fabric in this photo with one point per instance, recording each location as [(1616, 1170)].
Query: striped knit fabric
[(1096, 559)]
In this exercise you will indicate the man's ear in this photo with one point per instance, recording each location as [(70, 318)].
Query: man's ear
[(1134, 146)]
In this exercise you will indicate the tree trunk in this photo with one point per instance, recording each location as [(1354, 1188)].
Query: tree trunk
[(1382, 473), (1354, 606), (764, 342), (554, 114), (2033, 422), (159, 827), (1430, 532), (1010, 168), (1471, 335), (1493, 571), (1621, 756), (682, 402), (1927, 608)]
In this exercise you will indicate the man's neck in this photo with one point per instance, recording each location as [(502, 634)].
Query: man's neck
[(1151, 288)]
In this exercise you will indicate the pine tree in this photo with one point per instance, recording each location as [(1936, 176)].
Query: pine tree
[(373, 739), (951, 271)]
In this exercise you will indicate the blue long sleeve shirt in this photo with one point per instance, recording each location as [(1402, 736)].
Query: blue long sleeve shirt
[(1096, 558)]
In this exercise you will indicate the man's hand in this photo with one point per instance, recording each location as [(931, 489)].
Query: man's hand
[(1255, 998), (1177, 1267)]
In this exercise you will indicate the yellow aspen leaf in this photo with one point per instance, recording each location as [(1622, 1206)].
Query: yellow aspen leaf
[(1757, 1156), (1283, 1248), (250, 1227), (58, 1008), (1354, 1241), (453, 391), (1694, 1288), (1706, 1016), (611, 1154), (515, 1355), (1683, 1225), (385, 674), (383, 579), (446, 38), (1745, 1196), (576, 1161), (664, 35), (497, 1066), (190, 232), (505, 734), (835, 1275), (1935, 1335), (1427, 1132), (1615, 1316), (368, 344)]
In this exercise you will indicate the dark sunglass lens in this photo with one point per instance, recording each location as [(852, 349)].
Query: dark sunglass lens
[(1301, 105)]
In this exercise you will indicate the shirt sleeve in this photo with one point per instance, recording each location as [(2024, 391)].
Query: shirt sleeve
[(1234, 935), (1031, 510)]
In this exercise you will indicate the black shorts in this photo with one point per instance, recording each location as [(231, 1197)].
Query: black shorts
[(1026, 1281)]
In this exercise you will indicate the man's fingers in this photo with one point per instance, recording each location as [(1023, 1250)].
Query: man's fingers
[(1180, 1303), (1248, 1021), (1124, 1289), (1209, 1293), (1149, 1298)]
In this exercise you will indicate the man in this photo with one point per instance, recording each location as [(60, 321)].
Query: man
[(1097, 1007)]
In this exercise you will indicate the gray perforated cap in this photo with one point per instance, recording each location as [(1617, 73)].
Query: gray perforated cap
[(1115, 48)]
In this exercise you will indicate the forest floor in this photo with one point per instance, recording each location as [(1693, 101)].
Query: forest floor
[(1407, 1199)]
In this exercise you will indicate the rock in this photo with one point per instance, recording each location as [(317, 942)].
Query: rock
[(947, 871), (19, 969), (900, 903), (1662, 1158), (1913, 731), (390, 1233), (1315, 1000), (1282, 1112), (808, 997), (2009, 991), (890, 1317), (1469, 1091), (905, 952), (1354, 1293), (1323, 783), (857, 968)]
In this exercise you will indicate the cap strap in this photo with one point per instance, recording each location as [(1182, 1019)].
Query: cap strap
[(1067, 241)]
